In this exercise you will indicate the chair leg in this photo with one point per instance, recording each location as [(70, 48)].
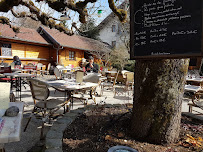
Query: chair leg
[(42, 131), (190, 108), (27, 124), (29, 119)]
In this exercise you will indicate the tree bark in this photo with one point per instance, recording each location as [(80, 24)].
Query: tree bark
[(158, 94)]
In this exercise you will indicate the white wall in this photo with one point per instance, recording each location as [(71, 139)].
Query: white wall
[(106, 34)]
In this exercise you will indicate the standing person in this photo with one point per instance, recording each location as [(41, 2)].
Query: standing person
[(16, 60), (91, 66)]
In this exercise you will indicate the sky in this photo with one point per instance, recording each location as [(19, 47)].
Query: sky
[(92, 9)]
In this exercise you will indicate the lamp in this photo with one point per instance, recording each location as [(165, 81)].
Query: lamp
[(99, 13), (65, 17)]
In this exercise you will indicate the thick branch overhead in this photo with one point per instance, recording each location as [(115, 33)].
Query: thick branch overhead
[(58, 5)]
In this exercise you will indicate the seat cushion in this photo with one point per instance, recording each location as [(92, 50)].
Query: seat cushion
[(50, 104), (6, 79), (107, 84)]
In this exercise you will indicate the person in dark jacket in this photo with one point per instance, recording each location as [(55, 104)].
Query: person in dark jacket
[(91, 66), (16, 60)]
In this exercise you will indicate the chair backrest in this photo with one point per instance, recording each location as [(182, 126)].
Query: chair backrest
[(44, 67), (39, 66), (60, 67), (115, 79), (79, 74), (5, 70), (193, 73), (103, 73), (113, 74), (129, 76), (30, 64), (29, 67), (120, 77), (49, 66), (12, 65), (114, 69), (38, 89), (91, 77), (4, 64), (57, 73)]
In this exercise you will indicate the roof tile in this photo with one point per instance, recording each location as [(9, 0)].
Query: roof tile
[(74, 41)]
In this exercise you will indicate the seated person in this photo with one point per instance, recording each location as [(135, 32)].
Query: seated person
[(16, 60), (91, 66)]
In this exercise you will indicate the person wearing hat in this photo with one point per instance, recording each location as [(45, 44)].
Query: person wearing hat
[(91, 66)]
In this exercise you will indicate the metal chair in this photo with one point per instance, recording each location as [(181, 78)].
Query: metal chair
[(39, 69), (129, 80), (42, 105), (46, 72), (83, 95)]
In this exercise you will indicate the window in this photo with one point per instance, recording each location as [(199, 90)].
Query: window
[(6, 49), (113, 28), (71, 55), (113, 43), (119, 29)]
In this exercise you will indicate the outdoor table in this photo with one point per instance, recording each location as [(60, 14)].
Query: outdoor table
[(18, 77), (198, 81), (70, 86), (102, 78), (108, 74), (192, 88), (110, 71), (16, 70), (12, 126)]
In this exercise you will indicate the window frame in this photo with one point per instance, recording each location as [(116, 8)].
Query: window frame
[(112, 43), (71, 55), (113, 28)]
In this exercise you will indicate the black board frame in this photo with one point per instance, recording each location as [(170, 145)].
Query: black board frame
[(148, 57)]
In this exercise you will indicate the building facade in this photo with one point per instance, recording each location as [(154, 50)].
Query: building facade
[(113, 32), (45, 46)]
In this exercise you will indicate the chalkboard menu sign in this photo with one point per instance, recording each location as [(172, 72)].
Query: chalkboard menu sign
[(166, 28), (6, 49)]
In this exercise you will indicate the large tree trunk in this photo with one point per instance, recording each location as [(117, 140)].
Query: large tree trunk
[(158, 93)]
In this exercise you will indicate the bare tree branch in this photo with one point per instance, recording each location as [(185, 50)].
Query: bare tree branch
[(58, 5)]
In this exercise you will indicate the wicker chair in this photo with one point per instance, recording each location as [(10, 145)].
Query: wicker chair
[(46, 72), (128, 87), (129, 79), (85, 95), (197, 102), (46, 107), (109, 85)]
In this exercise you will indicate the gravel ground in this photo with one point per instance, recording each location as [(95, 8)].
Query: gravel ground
[(30, 140)]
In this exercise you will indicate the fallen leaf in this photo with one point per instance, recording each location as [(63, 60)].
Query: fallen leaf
[(120, 134), (108, 137)]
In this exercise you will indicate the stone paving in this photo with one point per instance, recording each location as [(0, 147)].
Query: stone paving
[(30, 140)]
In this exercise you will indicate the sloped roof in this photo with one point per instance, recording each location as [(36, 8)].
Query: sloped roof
[(26, 34), (31, 35), (77, 42), (110, 16)]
